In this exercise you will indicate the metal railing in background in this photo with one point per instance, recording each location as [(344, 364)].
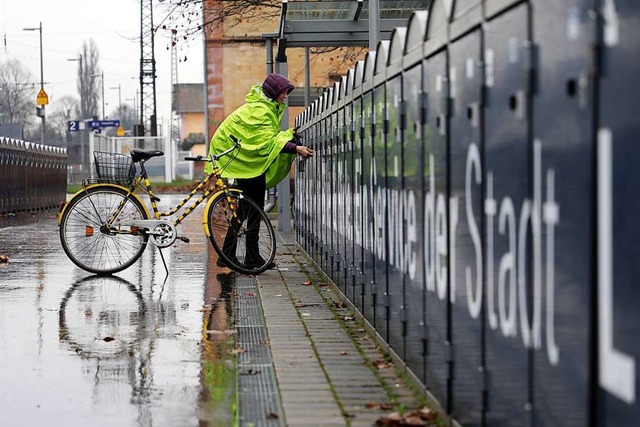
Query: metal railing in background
[(32, 176), (474, 194)]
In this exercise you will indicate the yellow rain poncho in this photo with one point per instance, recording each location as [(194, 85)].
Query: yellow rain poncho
[(257, 125)]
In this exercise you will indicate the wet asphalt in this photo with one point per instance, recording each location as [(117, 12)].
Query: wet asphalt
[(82, 350), (198, 346)]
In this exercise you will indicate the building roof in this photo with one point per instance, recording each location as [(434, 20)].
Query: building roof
[(188, 98), (309, 23)]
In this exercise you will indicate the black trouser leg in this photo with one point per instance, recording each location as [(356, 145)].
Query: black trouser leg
[(253, 188), (230, 240)]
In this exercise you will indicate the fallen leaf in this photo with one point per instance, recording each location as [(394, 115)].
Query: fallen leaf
[(224, 333), (307, 304), (426, 413), (421, 417), (339, 304), (379, 405), (237, 351), (307, 283), (272, 416), (4, 259), (344, 353), (108, 339), (392, 419), (382, 364), (410, 420)]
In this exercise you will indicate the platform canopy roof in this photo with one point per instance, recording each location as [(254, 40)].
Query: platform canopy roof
[(341, 22)]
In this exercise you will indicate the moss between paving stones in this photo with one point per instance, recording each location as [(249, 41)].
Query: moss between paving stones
[(352, 329)]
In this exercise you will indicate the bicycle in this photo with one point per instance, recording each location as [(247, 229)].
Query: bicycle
[(105, 227)]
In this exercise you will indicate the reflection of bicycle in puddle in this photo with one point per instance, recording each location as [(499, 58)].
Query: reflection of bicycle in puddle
[(102, 317), (103, 320)]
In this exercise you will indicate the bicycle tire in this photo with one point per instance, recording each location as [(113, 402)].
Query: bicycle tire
[(86, 244), (229, 223)]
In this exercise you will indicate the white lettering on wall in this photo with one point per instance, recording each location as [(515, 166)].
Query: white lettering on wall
[(490, 210), (617, 370), (474, 299), (412, 235), (515, 297), (551, 218), (611, 23)]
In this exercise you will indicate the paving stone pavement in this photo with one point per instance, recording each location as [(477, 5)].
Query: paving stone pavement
[(326, 365)]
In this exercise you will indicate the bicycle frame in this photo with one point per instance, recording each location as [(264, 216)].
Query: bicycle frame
[(117, 211), (143, 183), (203, 186)]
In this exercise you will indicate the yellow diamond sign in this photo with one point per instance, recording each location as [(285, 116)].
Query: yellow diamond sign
[(42, 98)]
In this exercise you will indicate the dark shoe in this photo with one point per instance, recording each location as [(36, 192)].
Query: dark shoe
[(222, 263), (257, 264)]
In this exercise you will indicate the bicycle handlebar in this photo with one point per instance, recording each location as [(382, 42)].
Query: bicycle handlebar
[(213, 158)]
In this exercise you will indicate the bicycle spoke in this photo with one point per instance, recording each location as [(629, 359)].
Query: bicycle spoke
[(241, 233), (85, 237)]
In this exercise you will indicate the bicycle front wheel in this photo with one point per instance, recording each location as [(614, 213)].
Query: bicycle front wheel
[(241, 233), (86, 240)]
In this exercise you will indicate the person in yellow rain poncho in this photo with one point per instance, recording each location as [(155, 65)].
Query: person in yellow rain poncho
[(266, 152)]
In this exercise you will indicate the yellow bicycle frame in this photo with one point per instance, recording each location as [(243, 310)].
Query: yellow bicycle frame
[(207, 207), (64, 207)]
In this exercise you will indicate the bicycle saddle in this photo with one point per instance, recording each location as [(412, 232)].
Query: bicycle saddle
[(138, 155)]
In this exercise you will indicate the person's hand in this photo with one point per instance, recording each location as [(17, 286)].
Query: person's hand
[(297, 138), (304, 152)]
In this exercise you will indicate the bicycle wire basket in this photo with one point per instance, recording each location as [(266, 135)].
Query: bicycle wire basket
[(113, 168)]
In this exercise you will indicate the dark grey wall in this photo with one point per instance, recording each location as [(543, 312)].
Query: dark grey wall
[(474, 194), (32, 176)]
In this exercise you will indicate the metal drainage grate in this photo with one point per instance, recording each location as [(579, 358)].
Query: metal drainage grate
[(258, 398)]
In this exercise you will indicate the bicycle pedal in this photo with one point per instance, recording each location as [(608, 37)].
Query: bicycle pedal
[(184, 239)]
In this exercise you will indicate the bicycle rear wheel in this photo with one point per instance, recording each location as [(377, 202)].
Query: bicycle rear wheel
[(241, 233), (88, 243)]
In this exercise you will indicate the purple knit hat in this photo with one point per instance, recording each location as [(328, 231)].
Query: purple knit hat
[(276, 84)]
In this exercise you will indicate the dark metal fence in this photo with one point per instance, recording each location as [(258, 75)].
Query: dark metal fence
[(32, 176), (474, 195)]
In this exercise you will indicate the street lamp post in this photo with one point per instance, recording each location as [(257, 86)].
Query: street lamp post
[(41, 112), (119, 97), (135, 106), (82, 108), (101, 75)]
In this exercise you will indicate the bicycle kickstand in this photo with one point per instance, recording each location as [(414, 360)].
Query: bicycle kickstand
[(163, 261)]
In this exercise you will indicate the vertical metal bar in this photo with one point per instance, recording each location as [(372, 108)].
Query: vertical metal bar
[(374, 24), (307, 77), (284, 192)]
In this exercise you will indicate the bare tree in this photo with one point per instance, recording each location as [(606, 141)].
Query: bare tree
[(63, 110), (17, 93), (88, 86), (184, 18), (127, 116)]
